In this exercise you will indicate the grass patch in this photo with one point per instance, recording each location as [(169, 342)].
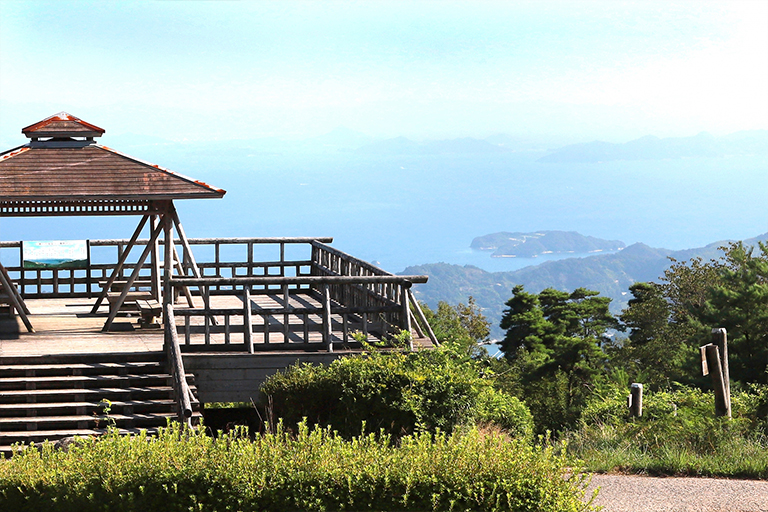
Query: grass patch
[(678, 435), (311, 470)]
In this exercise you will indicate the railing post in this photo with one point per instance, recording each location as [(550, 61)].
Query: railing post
[(327, 317), (176, 366), (720, 338), (286, 315), (406, 320), (247, 322)]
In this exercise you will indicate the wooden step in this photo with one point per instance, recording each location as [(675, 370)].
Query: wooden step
[(12, 426), (81, 381), (32, 410), (65, 396), (37, 370), (115, 357), (62, 395)]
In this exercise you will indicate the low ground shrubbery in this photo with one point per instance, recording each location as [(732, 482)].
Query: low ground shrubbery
[(313, 470), (677, 434), (399, 393)]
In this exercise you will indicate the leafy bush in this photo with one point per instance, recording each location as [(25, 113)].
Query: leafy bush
[(315, 470), (400, 393)]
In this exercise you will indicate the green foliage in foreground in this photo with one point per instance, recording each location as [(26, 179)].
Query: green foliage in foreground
[(312, 471), (678, 434), (401, 393)]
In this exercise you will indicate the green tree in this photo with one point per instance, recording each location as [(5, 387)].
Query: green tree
[(556, 339), (463, 326), (738, 301), (653, 353), (693, 298)]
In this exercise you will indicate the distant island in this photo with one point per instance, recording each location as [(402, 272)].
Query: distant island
[(749, 142), (530, 245)]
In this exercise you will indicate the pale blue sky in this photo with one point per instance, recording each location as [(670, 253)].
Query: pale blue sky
[(608, 70)]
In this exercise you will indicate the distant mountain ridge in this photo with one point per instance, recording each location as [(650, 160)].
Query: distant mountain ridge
[(655, 148), (405, 146), (529, 245), (609, 274)]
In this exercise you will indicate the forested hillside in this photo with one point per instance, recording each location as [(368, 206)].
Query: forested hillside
[(609, 274)]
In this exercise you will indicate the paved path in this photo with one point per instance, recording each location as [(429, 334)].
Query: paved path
[(622, 493)]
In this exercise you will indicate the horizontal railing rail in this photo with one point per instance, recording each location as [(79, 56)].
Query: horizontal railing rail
[(297, 307), (85, 282)]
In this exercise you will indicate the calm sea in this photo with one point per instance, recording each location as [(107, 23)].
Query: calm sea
[(408, 210)]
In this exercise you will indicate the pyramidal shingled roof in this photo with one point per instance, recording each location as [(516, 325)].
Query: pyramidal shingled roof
[(67, 168), (62, 125)]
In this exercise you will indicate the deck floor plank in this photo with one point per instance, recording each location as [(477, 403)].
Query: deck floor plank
[(64, 326)]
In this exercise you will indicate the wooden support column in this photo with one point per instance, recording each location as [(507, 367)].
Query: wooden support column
[(120, 264), (155, 259), (168, 254), (406, 311)]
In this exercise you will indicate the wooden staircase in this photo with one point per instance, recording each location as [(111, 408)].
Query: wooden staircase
[(54, 397)]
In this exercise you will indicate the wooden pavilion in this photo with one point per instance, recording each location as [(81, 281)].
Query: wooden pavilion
[(64, 172), (239, 320)]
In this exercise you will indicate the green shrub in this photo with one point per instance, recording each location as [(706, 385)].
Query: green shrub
[(678, 433), (400, 393), (315, 470)]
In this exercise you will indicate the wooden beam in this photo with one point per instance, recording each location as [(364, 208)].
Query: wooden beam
[(423, 318), (188, 250), (120, 264), (310, 280), (116, 307), (180, 270)]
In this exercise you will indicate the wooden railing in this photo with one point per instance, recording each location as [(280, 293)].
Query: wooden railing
[(307, 300), (181, 389), (53, 283), (368, 295), (315, 296)]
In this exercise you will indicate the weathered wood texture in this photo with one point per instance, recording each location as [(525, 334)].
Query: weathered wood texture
[(87, 173)]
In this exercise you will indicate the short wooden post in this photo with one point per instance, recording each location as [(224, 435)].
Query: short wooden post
[(720, 338), (636, 400), (711, 366)]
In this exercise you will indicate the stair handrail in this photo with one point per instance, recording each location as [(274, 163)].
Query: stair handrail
[(176, 364)]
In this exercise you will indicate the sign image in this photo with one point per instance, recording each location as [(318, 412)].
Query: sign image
[(54, 254)]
